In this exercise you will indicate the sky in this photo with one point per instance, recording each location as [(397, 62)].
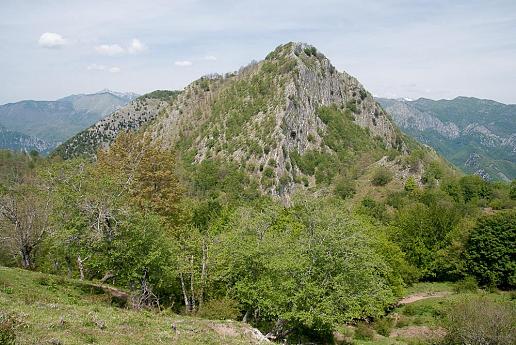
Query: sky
[(433, 49)]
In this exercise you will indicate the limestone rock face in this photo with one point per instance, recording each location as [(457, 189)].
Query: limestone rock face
[(318, 83)]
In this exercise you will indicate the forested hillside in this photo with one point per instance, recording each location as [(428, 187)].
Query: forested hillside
[(477, 135)]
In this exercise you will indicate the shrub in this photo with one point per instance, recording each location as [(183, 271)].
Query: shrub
[(345, 188), (352, 106), (468, 284), (364, 332), (310, 51), (220, 309), (373, 209), (381, 177), (268, 172), (480, 321), (384, 326), (410, 185)]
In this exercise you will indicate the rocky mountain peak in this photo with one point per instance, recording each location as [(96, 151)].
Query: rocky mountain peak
[(291, 120)]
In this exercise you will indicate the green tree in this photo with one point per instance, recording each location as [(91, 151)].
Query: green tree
[(491, 249), (307, 271)]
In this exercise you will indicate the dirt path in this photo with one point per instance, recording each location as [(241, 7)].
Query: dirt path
[(422, 295)]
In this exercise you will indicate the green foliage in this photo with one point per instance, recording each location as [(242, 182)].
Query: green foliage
[(468, 284), (310, 51), (474, 186), (268, 172), (216, 178), (410, 184), (344, 188), (266, 253), (381, 176), (342, 133), (220, 309), (384, 326), (374, 209), (479, 321), (364, 332), (422, 228), (165, 95), (346, 141), (490, 250)]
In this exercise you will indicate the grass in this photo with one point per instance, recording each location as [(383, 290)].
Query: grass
[(47, 309), (419, 322), (430, 287)]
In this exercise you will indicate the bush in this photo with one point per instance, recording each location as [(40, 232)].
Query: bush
[(344, 188), (384, 326), (468, 284), (411, 184), (220, 309), (480, 321), (381, 177), (268, 172), (364, 332)]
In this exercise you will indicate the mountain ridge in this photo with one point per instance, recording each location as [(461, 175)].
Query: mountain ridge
[(477, 135), (55, 121)]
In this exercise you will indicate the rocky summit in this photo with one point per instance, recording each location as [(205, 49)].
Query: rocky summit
[(289, 119)]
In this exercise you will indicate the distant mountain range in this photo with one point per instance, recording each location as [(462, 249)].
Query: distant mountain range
[(477, 135), (43, 125)]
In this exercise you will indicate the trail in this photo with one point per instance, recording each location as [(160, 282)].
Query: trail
[(422, 295)]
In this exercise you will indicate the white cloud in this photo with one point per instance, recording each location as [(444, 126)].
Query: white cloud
[(109, 49), (184, 63), (210, 58), (95, 67), (136, 47), (51, 40)]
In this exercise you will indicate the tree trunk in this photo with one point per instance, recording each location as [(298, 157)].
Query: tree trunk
[(81, 266), (192, 303), (185, 296), (203, 272), (69, 266), (26, 257)]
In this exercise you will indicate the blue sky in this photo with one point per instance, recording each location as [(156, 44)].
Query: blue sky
[(434, 49)]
